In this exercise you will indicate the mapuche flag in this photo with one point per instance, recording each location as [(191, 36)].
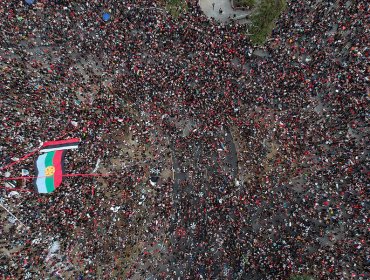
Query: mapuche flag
[(50, 164)]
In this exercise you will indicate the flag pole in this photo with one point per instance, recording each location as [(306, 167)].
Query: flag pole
[(88, 175), (19, 160), (66, 175), (15, 189), (35, 151)]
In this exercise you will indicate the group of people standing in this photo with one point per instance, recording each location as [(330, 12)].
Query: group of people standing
[(266, 148)]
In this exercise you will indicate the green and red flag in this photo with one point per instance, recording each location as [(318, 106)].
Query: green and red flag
[(50, 164)]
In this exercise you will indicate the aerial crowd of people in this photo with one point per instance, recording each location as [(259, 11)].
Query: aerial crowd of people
[(260, 152)]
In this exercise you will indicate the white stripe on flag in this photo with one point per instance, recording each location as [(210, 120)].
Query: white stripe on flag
[(59, 149)]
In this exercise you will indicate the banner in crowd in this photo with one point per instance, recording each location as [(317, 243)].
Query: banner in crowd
[(50, 164)]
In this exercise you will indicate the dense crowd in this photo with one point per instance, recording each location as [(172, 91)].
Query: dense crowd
[(268, 153)]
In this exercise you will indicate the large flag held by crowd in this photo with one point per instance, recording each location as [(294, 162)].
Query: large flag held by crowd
[(50, 164)]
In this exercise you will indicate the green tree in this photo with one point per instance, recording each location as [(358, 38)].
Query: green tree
[(245, 3), (175, 7), (263, 20)]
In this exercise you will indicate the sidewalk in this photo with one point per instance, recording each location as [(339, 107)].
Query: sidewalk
[(227, 11)]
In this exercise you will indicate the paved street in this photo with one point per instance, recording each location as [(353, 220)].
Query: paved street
[(227, 13)]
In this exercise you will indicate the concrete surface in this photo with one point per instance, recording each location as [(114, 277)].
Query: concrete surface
[(227, 11)]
